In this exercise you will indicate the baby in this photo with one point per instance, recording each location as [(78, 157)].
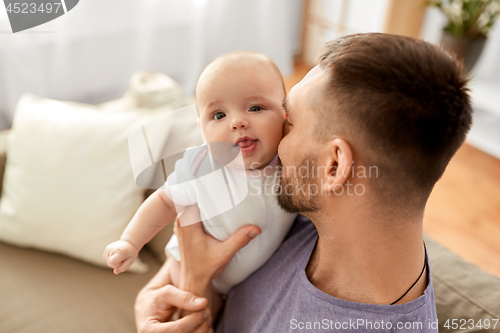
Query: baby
[(239, 100)]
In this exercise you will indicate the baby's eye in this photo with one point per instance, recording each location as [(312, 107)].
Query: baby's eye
[(255, 108), (218, 115)]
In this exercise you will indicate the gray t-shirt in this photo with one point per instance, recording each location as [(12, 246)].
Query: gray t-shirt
[(279, 298)]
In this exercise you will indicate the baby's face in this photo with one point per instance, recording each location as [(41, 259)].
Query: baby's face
[(242, 104)]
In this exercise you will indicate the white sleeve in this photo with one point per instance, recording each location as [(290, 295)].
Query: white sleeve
[(179, 186)]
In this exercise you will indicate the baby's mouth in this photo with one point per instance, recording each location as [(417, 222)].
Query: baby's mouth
[(246, 144)]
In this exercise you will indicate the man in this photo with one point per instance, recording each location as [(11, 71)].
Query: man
[(392, 105)]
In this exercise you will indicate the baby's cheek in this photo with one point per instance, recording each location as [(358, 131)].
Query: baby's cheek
[(280, 126), (277, 135)]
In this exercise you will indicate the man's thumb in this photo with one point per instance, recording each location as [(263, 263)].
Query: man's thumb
[(241, 238)]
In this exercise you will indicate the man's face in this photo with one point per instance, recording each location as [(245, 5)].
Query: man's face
[(298, 151)]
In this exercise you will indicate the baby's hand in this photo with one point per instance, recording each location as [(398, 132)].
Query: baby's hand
[(120, 255)]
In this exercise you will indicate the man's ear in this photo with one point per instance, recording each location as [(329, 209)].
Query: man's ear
[(339, 163)]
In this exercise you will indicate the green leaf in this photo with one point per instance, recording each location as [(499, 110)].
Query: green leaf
[(468, 24)]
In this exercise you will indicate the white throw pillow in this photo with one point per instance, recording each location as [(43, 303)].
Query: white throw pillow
[(68, 184)]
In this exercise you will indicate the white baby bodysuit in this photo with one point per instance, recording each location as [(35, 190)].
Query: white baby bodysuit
[(229, 199)]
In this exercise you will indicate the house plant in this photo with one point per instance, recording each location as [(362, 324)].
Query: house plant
[(468, 25)]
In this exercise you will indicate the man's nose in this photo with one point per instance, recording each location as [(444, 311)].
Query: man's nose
[(239, 122)]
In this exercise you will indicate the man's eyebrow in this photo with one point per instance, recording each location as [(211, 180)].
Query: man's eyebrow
[(284, 105)]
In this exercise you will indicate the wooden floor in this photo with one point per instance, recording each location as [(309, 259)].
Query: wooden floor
[(463, 211)]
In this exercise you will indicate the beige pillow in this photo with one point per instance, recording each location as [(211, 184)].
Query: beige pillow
[(68, 184)]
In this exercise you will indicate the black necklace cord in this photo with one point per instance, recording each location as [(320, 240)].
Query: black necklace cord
[(422, 272)]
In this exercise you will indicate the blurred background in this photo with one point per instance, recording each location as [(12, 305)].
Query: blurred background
[(89, 54)]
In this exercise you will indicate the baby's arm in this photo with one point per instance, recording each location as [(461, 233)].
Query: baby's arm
[(153, 215)]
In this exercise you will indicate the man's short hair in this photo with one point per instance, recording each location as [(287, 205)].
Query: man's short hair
[(404, 101)]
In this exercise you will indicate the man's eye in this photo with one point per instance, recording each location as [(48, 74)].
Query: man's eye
[(255, 108), (218, 115)]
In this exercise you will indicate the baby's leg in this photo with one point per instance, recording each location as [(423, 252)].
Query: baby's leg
[(172, 251), (175, 273), (175, 276)]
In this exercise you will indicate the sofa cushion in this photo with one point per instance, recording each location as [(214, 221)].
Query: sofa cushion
[(68, 185), (48, 292), (462, 291)]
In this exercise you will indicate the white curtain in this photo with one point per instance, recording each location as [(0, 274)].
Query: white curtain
[(89, 54)]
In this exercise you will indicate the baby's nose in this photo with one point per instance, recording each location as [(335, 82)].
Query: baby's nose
[(239, 123)]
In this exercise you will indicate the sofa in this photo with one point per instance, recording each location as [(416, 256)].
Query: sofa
[(42, 291)]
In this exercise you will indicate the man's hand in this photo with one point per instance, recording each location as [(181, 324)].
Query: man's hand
[(120, 255), (157, 302), (158, 306), (203, 257)]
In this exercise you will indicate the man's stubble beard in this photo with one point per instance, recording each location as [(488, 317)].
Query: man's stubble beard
[(294, 201)]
